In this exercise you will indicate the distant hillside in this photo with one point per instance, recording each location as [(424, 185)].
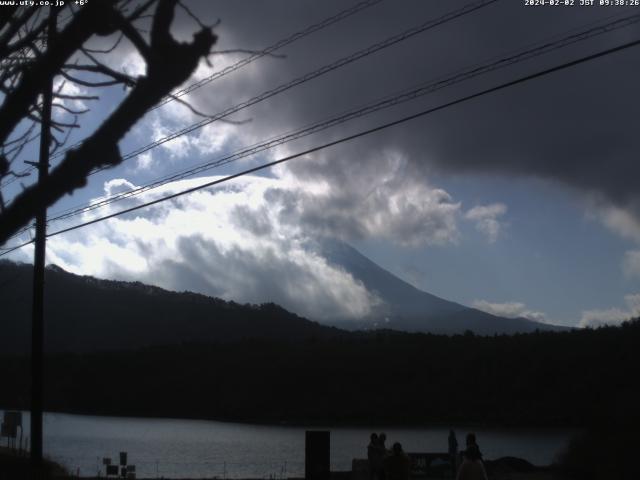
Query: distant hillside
[(87, 314), (408, 309)]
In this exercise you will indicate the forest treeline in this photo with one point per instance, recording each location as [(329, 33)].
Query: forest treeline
[(86, 314), (575, 378)]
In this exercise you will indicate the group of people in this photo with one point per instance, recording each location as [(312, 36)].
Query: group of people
[(386, 464), (394, 464)]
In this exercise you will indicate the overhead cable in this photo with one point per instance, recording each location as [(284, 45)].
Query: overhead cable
[(381, 104), (348, 138)]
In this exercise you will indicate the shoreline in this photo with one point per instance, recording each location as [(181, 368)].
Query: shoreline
[(321, 423), (512, 468)]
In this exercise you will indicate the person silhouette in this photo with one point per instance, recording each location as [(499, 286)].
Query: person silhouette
[(383, 438), (472, 467), (375, 454), (397, 464), (471, 442)]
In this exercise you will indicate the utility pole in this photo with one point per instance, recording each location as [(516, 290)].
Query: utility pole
[(37, 322)]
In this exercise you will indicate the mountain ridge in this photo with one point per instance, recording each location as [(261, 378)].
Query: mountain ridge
[(126, 315), (134, 315), (410, 309)]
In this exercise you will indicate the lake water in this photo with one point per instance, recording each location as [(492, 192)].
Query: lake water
[(174, 448)]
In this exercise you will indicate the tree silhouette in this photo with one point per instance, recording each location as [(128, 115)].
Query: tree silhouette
[(28, 64)]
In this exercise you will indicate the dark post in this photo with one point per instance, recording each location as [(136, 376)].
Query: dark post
[(37, 323), (317, 461)]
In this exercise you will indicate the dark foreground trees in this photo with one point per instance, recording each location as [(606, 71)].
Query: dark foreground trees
[(30, 59), (577, 378)]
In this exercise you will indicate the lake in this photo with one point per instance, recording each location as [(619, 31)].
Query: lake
[(204, 449)]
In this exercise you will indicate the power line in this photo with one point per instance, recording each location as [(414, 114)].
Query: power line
[(429, 24), (384, 126), (236, 66), (255, 56), (386, 102), (538, 49), (270, 49)]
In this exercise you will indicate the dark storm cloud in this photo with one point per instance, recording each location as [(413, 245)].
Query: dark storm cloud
[(577, 127)]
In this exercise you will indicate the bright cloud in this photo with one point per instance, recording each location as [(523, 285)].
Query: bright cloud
[(133, 64), (612, 316), (228, 242), (623, 223), (117, 185), (64, 87), (203, 142), (620, 221), (510, 310), (179, 147), (144, 161), (255, 240), (486, 219)]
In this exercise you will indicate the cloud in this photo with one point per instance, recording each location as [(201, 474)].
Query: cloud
[(334, 197), (619, 220), (178, 148), (226, 242), (255, 239), (203, 142), (631, 263), (485, 218), (510, 133), (132, 63), (503, 133), (64, 87), (507, 133), (510, 310), (612, 316), (144, 161), (117, 185), (563, 128), (622, 222)]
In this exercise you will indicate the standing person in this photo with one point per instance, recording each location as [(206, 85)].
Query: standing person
[(472, 467), (375, 455), (397, 464), (383, 438), (471, 442)]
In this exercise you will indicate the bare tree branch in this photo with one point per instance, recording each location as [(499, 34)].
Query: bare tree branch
[(88, 83), (63, 96), (28, 40), (169, 64), (69, 110), (16, 105), (60, 143), (108, 49), (15, 23)]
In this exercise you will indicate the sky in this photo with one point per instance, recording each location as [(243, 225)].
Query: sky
[(522, 202)]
